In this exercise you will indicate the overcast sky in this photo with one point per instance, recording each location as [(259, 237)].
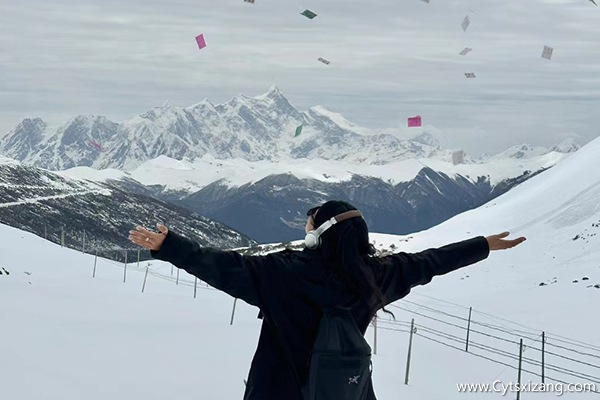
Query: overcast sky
[(390, 60)]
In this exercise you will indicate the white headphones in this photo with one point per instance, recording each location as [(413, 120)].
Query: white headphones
[(312, 240)]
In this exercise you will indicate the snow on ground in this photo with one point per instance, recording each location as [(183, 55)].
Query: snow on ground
[(105, 192), (8, 161), (193, 176), (87, 173), (66, 335)]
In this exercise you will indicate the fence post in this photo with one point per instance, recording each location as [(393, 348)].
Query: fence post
[(125, 268), (177, 281), (375, 334), (171, 270), (83, 243), (195, 285), (138, 258), (62, 237), (233, 311), (412, 330), (95, 261), (520, 364), (145, 277), (468, 329), (543, 356)]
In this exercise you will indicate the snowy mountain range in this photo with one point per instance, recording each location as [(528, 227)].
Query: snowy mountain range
[(247, 128), (51, 206)]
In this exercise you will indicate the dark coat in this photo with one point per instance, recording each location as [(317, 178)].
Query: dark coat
[(291, 288)]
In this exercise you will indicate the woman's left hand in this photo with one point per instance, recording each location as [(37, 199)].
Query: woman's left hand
[(498, 242)]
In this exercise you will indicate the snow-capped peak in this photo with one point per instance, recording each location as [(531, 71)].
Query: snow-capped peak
[(339, 120), (523, 151), (205, 103), (426, 138), (567, 145), (271, 93), (167, 105)]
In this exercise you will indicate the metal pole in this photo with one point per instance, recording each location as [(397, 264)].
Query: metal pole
[(83, 243), (171, 270), (543, 356), (62, 237), (468, 328), (375, 334), (125, 268), (233, 311), (145, 277), (195, 285), (412, 330), (138, 258), (177, 281), (95, 261), (520, 363)]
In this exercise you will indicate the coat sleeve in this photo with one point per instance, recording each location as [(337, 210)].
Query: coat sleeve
[(229, 271), (398, 273)]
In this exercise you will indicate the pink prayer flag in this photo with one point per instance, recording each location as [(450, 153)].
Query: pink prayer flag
[(414, 121), (201, 42)]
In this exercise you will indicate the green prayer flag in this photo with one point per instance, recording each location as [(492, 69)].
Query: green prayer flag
[(298, 131), (308, 14)]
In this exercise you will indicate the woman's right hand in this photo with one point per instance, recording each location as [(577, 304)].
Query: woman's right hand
[(148, 239)]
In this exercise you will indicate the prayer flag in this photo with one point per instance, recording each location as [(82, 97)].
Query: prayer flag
[(414, 121)]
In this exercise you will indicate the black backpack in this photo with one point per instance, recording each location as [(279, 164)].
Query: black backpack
[(340, 365)]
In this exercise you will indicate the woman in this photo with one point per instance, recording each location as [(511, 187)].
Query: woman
[(291, 288)]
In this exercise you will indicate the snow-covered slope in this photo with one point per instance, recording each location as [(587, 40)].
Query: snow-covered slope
[(551, 282), (91, 174), (62, 209), (69, 336)]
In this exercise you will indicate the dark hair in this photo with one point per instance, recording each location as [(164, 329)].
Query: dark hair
[(344, 248)]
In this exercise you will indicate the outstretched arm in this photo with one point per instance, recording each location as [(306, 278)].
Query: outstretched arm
[(228, 271), (399, 273)]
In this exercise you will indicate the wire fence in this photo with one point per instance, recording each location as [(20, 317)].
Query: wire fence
[(545, 356), (84, 241)]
